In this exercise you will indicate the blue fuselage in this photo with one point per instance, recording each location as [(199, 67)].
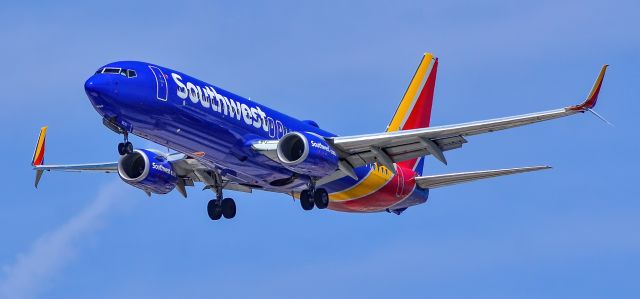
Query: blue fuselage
[(204, 121)]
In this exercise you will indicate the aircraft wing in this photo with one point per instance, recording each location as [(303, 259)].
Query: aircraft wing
[(188, 169), (94, 167), (386, 148)]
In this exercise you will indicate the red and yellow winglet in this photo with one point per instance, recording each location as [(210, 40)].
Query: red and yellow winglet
[(591, 100), (38, 154)]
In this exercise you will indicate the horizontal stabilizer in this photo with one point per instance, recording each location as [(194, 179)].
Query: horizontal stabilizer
[(441, 180)]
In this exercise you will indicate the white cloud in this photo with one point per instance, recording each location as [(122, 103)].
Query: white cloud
[(32, 269)]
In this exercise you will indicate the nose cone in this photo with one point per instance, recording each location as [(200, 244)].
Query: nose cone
[(97, 85), (102, 92)]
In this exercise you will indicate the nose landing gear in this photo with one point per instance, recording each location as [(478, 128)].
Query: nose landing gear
[(125, 147)]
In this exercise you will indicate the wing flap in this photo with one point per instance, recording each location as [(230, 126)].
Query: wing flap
[(402, 152), (442, 180)]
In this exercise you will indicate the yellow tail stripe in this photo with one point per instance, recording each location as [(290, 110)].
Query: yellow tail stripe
[(410, 94), (372, 182), (376, 179)]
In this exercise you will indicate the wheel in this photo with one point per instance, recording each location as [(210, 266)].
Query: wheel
[(321, 198), (228, 208), (305, 200), (128, 147), (214, 210), (121, 150)]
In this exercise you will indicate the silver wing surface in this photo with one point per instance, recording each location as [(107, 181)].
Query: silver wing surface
[(188, 169), (389, 147)]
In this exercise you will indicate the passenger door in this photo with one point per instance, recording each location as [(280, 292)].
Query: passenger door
[(162, 90)]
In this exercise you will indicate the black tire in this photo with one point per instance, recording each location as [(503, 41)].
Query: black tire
[(228, 208), (321, 198), (121, 150), (306, 201), (214, 210), (128, 147)]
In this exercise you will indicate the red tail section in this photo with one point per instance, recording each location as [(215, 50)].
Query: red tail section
[(414, 110)]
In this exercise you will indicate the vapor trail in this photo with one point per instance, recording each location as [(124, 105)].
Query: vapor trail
[(31, 270)]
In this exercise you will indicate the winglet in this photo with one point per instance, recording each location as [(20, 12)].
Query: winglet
[(38, 154), (591, 100)]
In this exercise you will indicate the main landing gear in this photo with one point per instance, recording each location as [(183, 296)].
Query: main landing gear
[(219, 207), (125, 147), (312, 196)]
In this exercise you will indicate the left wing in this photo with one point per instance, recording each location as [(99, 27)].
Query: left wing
[(38, 162), (389, 147), (188, 169)]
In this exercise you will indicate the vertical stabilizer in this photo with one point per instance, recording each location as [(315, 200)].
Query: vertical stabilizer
[(414, 111)]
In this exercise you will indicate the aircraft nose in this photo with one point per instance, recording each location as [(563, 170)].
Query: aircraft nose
[(97, 85)]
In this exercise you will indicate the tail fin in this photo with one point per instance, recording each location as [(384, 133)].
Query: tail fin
[(38, 154), (414, 110)]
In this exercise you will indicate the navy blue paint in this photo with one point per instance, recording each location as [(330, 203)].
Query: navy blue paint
[(137, 104)]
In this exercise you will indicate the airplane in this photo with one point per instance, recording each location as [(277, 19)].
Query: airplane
[(228, 142)]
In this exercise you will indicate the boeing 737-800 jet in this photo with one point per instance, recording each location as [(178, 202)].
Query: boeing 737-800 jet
[(228, 142)]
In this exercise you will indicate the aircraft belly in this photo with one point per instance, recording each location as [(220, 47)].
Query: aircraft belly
[(216, 142)]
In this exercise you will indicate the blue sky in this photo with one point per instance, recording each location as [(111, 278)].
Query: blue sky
[(571, 232)]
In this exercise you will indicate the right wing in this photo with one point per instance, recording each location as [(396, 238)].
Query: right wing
[(389, 147)]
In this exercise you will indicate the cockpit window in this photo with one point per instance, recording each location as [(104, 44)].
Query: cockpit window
[(111, 70), (116, 70)]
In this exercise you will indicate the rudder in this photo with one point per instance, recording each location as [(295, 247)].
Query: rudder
[(414, 110)]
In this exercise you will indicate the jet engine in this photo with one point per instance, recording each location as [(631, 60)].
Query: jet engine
[(307, 153), (147, 170)]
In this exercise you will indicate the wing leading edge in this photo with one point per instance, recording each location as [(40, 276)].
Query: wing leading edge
[(188, 169), (38, 162), (403, 145)]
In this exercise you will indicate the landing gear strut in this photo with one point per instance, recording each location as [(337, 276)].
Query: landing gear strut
[(312, 196), (125, 147), (221, 207)]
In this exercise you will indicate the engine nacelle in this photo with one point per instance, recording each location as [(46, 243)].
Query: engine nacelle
[(307, 153), (147, 170)]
